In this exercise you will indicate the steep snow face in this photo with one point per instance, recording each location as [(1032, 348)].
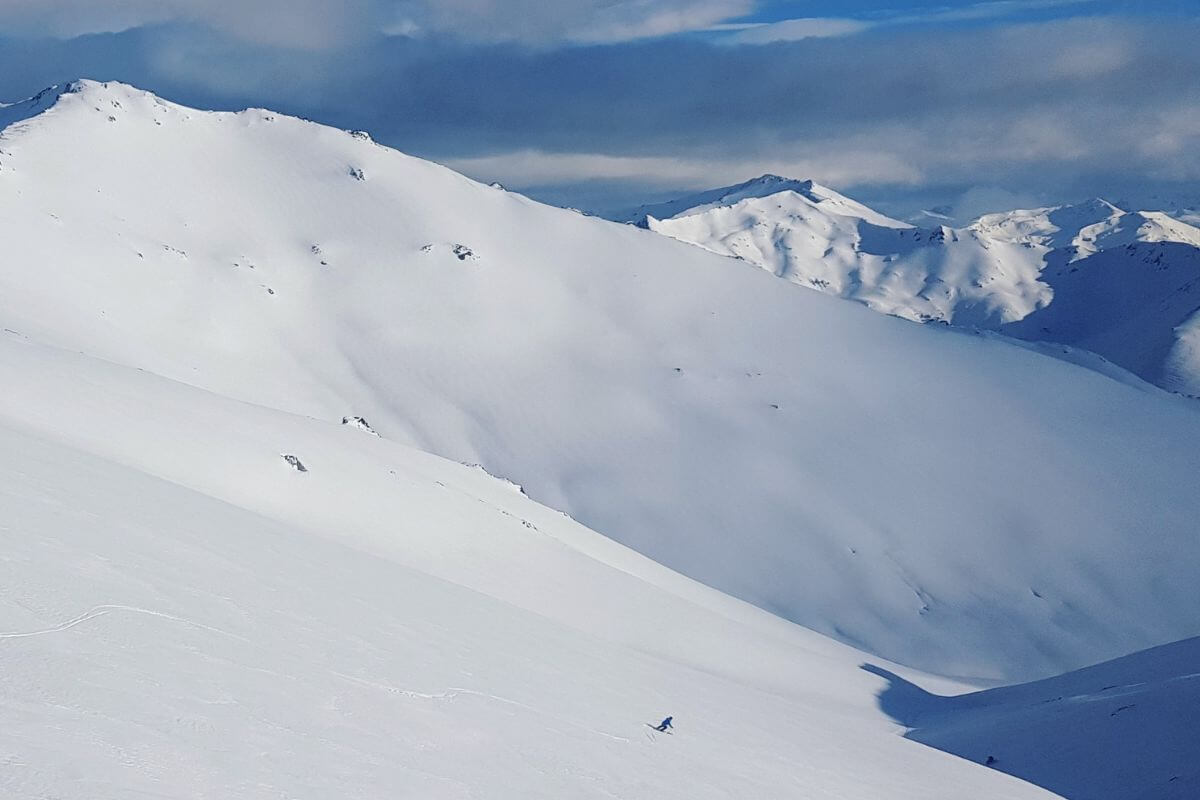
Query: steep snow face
[(1124, 285), (904, 488), (185, 615)]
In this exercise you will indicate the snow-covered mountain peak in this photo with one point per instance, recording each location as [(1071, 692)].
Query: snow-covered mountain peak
[(1085, 228), (1051, 226), (761, 186), (1097, 205), (1018, 271), (1158, 226), (768, 183), (774, 191), (69, 94), (89, 104)]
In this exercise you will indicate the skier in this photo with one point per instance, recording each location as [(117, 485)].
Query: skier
[(666, 723)]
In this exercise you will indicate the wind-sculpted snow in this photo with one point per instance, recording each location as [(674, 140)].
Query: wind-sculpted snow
[(1124, 285), (183, 615), (948, 501)]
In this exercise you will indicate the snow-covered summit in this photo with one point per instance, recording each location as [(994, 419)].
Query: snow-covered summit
[(1091, 275), (764, 186), (1085, 228)]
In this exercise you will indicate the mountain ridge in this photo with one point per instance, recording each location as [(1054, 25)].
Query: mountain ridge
[(1013, 272)]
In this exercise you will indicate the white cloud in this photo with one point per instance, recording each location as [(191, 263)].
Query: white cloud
[(1172, 146), (993, 9), (1089, 59), (639, 19), (537, 168), (965, 148), (791, 30), (538, 21)]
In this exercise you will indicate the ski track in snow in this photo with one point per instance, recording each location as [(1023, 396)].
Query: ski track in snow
[(104, 610)]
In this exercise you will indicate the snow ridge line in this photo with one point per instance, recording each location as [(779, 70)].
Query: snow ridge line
[(100, 611), (454, 691)]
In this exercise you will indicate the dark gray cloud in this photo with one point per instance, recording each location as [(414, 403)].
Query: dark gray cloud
[(1035, 111)]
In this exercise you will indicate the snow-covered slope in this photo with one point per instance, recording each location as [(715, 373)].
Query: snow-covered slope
[(1123, 284), (1123, 729), (184, 613), (948, 501)]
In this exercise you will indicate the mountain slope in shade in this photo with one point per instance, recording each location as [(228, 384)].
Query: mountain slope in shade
[(948, 501), (1125, 285), (1064, 732), (187, 614)]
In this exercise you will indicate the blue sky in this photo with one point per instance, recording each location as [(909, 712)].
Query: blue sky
[(606, 103)]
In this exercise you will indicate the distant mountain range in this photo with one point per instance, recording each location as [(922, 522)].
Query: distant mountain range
[(1120, 283)]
